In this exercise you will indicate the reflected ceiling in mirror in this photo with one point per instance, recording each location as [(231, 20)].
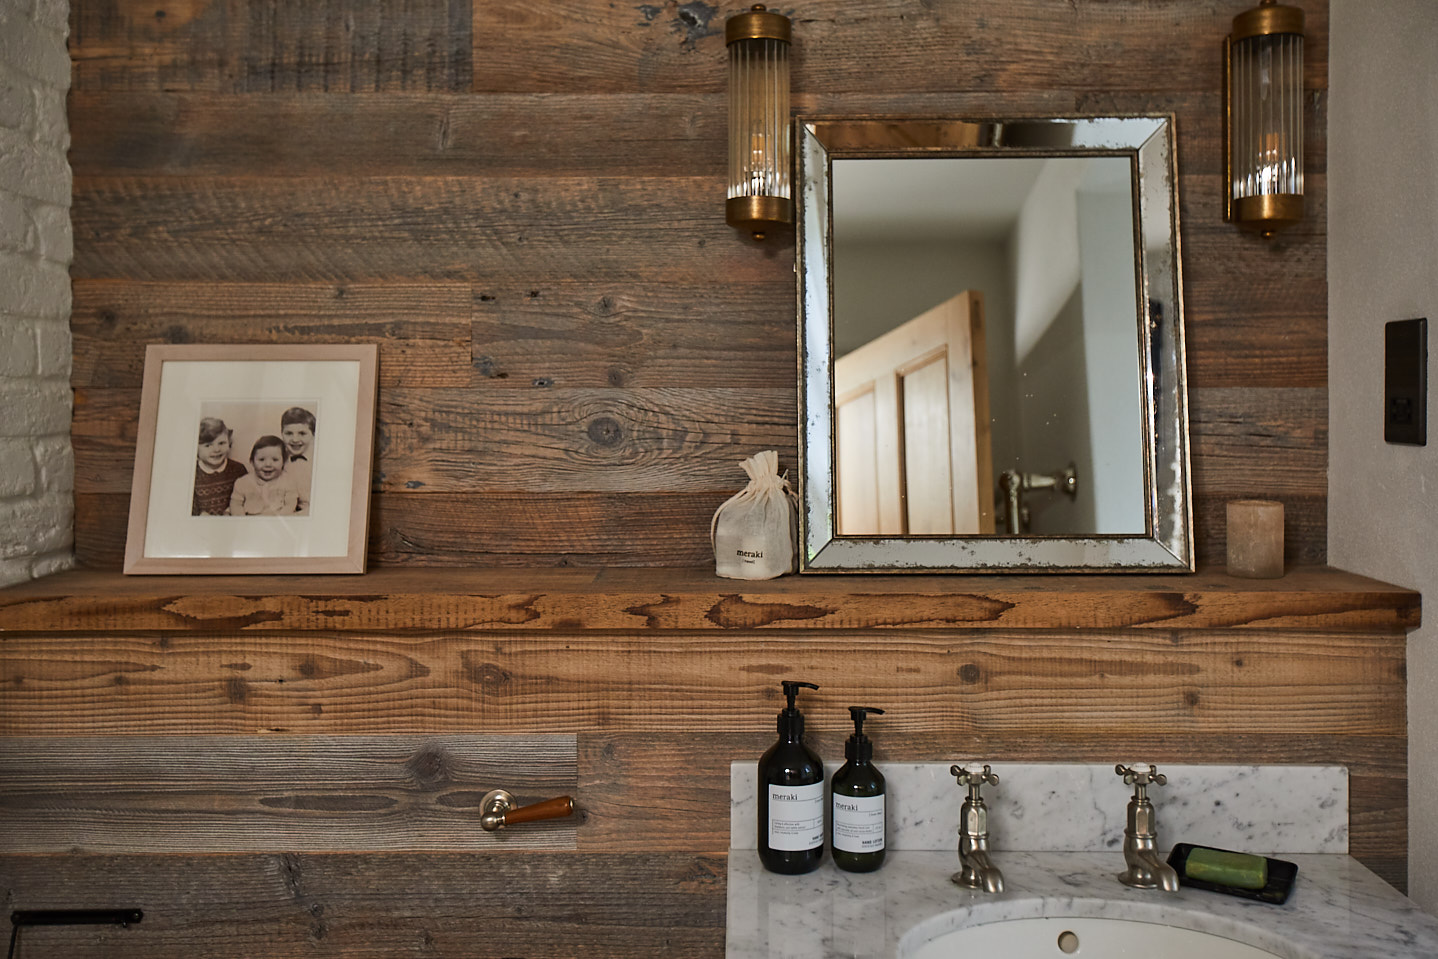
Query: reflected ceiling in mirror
[(991, 334)]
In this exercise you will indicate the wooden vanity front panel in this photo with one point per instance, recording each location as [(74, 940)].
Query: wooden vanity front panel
[(656, 718)]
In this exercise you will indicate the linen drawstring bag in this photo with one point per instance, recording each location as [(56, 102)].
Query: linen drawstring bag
[(755, 531)]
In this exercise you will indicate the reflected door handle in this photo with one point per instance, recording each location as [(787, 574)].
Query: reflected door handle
[(500, 810)]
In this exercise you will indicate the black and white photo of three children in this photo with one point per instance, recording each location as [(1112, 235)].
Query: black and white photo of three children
[(275, 479)]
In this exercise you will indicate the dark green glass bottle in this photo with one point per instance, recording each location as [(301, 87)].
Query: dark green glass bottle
[(791, 796), (858, 825)]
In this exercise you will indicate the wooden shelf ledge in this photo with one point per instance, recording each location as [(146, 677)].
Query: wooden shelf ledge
[(630, 599)]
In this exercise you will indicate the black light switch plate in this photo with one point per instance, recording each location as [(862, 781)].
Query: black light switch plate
[(1405, 382)]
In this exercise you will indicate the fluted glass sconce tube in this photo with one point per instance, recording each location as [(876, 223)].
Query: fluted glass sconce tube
[(1263, 127), (760, 183)]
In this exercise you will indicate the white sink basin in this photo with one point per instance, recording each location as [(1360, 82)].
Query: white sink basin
[(1086, 937)]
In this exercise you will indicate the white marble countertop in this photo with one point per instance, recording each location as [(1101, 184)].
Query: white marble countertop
[(1338, 909)]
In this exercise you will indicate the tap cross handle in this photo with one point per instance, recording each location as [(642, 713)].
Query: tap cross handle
[(1140, 774), (973, 775)]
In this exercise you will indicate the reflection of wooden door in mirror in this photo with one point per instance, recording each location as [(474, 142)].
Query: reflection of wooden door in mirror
[(912, 442)]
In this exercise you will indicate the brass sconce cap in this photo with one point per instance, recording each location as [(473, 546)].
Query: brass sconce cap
[(758, 214), (1268, 212), (1268, 18), (757, 24)]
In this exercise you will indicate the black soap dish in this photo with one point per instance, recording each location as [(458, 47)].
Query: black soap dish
[(1281, 876)]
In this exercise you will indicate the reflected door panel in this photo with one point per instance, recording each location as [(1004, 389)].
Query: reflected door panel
[(912, 444)]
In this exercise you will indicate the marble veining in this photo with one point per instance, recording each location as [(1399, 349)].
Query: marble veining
[(1077, 807), (1056, 832), (1338, 910)]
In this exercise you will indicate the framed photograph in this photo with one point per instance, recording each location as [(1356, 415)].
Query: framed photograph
[(253, 459)]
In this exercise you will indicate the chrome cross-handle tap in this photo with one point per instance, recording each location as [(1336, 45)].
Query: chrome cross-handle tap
[(1140, 836), (978, 870)]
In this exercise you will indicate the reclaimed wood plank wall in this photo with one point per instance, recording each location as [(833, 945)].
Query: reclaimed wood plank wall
[(271, 793), (522, 204)]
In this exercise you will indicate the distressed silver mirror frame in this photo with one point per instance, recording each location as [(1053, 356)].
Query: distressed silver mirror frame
[(1167, 543)]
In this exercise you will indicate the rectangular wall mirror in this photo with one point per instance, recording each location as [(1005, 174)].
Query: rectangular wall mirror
[(991, 344)]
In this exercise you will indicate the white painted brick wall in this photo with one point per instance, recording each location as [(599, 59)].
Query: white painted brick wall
[(37, 467)]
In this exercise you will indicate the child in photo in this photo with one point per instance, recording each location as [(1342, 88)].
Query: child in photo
[(266, 490), (297, 429), (215, 472)]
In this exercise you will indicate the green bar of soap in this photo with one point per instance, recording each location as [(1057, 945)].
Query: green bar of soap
[(1236, 869)]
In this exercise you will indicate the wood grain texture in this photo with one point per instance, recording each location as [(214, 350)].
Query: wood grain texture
[(236, 46), (423, 329), (337, 229), (539, 441), (524, 530), (566, 165), (199, 794), (680, 46), (384, 905), (521, 207), (582, 133), (480, 600), (1068, 683)]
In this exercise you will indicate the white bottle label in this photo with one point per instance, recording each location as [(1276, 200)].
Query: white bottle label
[(858, 823), (796, 817)]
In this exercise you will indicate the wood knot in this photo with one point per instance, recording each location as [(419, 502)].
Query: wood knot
[(605, 431)]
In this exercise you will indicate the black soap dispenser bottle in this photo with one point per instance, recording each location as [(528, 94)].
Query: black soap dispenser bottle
[(857, 820), (791, 796)]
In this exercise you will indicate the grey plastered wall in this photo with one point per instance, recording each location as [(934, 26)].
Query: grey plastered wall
[(1383, 265), (36, 464)]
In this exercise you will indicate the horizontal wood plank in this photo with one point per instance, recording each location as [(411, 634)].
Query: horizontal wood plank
[(1252, 441), (536, 530), (233, 46), (695, 599), (1099, 683), (539, 441), (581, 133), (419, 227), (185, 794), (198, 794), (995, 47), (642, 333), (382, 905), (423, 329), (399, 134)]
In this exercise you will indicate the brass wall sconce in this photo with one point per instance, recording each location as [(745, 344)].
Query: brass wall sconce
[(1263, 118), (760, 178)]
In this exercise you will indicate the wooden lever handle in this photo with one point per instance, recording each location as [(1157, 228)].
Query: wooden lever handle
[(500, 811), (556, 808)]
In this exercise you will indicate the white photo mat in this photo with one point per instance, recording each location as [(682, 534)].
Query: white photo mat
[(249, 387)]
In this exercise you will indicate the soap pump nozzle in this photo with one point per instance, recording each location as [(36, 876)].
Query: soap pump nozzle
[(859, 748), (791, 721)]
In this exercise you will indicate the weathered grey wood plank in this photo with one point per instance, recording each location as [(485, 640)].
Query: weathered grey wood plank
[(996, 46), (334, 229), (507, 441), (423, 329), (198, 794), (1251, 441), (320, 46), (494, 529), (384, 905)]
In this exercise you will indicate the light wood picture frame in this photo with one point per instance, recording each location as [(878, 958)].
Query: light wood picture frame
[(253, 459)]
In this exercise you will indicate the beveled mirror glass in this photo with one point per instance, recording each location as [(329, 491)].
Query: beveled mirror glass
[(991, 342)]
